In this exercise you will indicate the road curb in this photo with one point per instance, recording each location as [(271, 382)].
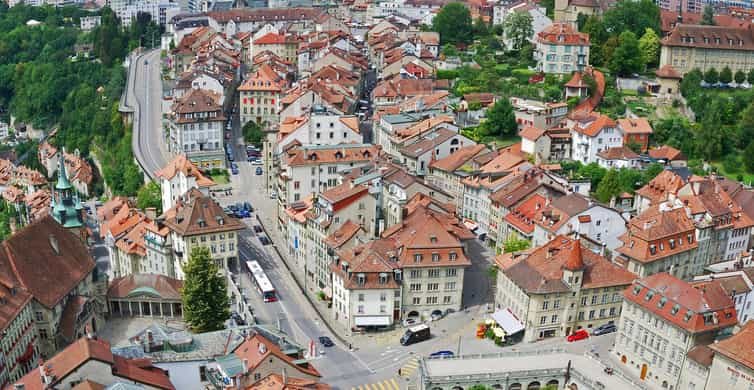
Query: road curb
[(298, 284)]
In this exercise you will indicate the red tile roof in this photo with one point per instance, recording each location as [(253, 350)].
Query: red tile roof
[(168, 288), (656, 234), (739, 347), (618, 153), (257, 349), (667, 153), (531, 133), (668, 72), (562, 34), (684, 306), (710, 37), (456, 160), (196, 213), (657, 189), (522, 217), (279, 382), (595, 127), (635, 125)]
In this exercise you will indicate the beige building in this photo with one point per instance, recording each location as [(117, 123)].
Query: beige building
[(560, 288), (663, 319), (708, 47), (447, 173), (259, 96), (560, 48), (196, 128), (732, 366), (197, 220)]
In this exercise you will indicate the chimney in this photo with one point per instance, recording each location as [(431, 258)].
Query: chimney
[(246, 366), (602, 249)]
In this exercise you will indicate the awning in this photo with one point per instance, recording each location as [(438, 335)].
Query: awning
[(508, 321), (373, 321)]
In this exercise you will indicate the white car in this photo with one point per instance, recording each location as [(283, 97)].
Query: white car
[(273, 195), (256, 162)]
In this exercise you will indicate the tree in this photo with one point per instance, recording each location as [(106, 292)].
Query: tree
[(634, 146), (708, 16), (652, 171), (598, 36), (453, 22), (739, 77), (608, 187), (627, 57), (649, 44), (500, 119), (549, 7), (634, 16), (150, 195), (711, 76), (252, 133), (745, 132), (518, 29), (750, 76), (594, 172), (480, 28), (514, 244), (726, 75), (748, 157), (691, 83), (206, 306)]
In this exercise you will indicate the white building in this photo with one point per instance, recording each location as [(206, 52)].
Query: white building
[(420, 151), (591, 137), (560, 48), (196, 128), (618, 157), (88, 23), (739, 285), (178, 177), (320, 127)]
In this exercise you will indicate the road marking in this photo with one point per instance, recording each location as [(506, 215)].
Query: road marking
[(380, 385), (394, 383)]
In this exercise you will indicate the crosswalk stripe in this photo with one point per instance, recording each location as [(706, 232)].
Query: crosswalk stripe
[(369, 387), (395, 384), (360, 388), (380, 386)]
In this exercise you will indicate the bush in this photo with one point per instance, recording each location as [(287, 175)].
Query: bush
[(504, 70), (522, 75), (731, 164), (450, 74)]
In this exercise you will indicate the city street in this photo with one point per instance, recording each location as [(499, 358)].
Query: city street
[(146, 86)]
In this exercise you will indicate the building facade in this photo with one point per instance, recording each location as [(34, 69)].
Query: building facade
[(196, 128), (560, 48)]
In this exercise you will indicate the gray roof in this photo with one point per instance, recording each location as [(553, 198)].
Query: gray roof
[(571, 204)]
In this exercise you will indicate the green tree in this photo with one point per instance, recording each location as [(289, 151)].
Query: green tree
[(750, 76), (598, 37), (652, 171), (206, 306), (593, 171), (708, 16), (150, 195), (745, 131), (634, 16), (739, 77), (748, 157), (609, 186), (711, 76), (649, 44), (627, 57), (549, 7), (518, 29), (480, 28), (453, 22), (691, 83), (726, 75), (252, 133), (500, 119), (514, 244)]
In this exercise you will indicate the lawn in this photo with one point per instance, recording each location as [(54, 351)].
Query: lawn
[(221, 177), (736, 174), (500, 142)]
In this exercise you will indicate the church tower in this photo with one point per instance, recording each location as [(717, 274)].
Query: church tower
[(65, 205)]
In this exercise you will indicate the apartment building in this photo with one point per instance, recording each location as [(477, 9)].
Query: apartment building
[(419, 151), (560, 48), (318, 127), (282, 45), (196, 128), (663, 319), (688, 46), (394, 138), (398, 189), (546, 145), (657, 190), (594, 136), (731, 365), (19, 340), (178, 177), (559, 288), (618, 157), (447, 173), (534, 113), (197, 220), (260, 94), (738, 284), (366, 286)]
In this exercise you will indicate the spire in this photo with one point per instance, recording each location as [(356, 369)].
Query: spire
[(575, 262), (63, 183)]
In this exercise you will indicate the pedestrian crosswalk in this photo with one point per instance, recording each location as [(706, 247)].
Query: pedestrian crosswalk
[(388, 384), (409, 367)]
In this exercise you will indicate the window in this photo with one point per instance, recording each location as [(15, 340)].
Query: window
[(556, 304), (581, 316), (545, 305), (431, 300), (447, 299), (594, 300), (203, 373), (591, 314), (554, 319), (602, 313), (543, 320), (416, 300), (418, 258), (451, 272), (39, 316), (433, 273), (433, 286), (612, 312), (383, 309), (415, 274), (435, 257), (415, 287), (43, 334), (361, 308), (450, 286), (383, 297), (453, 256), (583, 301)]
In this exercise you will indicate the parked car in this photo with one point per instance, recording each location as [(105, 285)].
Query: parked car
[(410, 322), (247, 206), (228, 211), (234, 170), (227, 135), (580, 334), (257, 229), (264, 240), (604, 329), (230, 156), (273, 195), (436, 315), (250, 158), (441, 354), (259, 171), (233, 207), (325, 341), (256, 161), (241, 213)]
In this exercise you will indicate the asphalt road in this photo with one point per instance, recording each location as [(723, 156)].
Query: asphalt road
[(149, 143)]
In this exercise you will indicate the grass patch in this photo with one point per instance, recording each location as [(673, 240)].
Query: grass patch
[(220, 177), (500, 142), (733, 173)]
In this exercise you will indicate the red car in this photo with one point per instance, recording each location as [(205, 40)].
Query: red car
[(578, 335)]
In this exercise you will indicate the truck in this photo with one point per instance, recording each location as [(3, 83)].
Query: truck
[(415, 334)]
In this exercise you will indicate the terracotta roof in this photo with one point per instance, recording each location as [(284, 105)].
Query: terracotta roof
[(667, 153), (576, 81), (344, 194), (423, 126), (264, 78), (618, 153), (343, 234), (456, 160), (278, 382), (110, 208), (271, 38), (368, 260), (70, 359), (342, 154), (167, 288), (560, 210), (668, 72), (427, 144), (738, 347), (562, 34), (486, 98), (403, 88), (196, 214), (251, 350), (183, 165), (88, 385), (47, 260), (504, 162), (701, 354), (541, 270), (595, 127), (15, 296), (635, 125), (531, 133), (656, 234), (710, 37), (658, 188), (195, 101), (685, 306), (240, 15), (522, 217)]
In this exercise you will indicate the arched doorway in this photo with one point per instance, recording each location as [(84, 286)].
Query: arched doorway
[(553, 382), (533, 386), (515, 386), (643, 372)]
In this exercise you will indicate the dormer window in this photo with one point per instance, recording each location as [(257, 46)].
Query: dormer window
[(649, 296), (433, 239), (675, 309), (383, 278), (662, 302), (637, 289), (689, 314), (435, 257), (672, 243), (662, 246), (689, 238), (652, 249), (361, 279), (453, 256), (201, 223)]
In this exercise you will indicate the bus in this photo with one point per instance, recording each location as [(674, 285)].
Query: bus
[(264, 286), (415, 334)]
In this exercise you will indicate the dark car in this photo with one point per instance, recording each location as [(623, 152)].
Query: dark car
[(325, 341), (264, 240), (230, 156), (257, 229), (241, 213), (233, 207), (259, 171), (441, 354), (604, 329), (247, 206)]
